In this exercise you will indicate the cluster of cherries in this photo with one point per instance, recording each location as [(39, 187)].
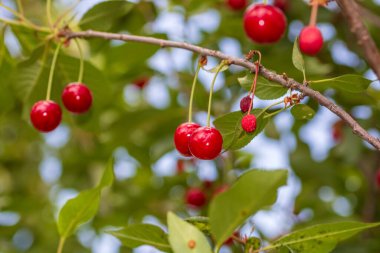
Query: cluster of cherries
[(266, 24), (204, 143), (46, 115)]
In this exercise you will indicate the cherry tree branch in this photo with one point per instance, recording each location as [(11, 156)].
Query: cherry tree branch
[(353, 14), (266, 73)]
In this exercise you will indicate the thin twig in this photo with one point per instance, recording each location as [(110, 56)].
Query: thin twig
[(270, 75), (351, 11)]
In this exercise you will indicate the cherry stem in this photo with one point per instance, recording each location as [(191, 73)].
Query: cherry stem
[(51, 75), (19, 6), (268, 107), (221, 65), (253, 87), (193, 91), (48, 13), (314, 13), (81, 67), (276, 112), (61, 244)]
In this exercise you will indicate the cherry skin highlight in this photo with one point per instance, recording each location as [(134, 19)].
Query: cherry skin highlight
[(195, 197), (264, 23), (46, 115), (236, 5), (248, 123), (310, 40), (77, 98), (245, 102), (206, 143), (182, 135)]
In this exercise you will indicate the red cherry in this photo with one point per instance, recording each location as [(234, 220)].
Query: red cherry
[(141, 82), (236, 5), (220, 189), (180, 166), (77, 98), (245, 102), (46, 115), (311, 40), (182, 135), (378, 178), (264, 23), (248, 123), (230, 240), (206, 143), (195, 197)]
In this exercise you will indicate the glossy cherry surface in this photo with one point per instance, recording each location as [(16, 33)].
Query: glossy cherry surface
[(248, 123), (195, 197), (182, 135), (245, 102), (206, 143), (310, 40), (264, 23), (77, 98), (45, 115), (236, 5)]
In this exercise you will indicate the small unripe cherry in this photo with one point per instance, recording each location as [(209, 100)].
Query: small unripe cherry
[(245, 103), (195, 197), (248, 123), (310, 40), (45, 115), (236, 5), (182, 135), (77, 98)]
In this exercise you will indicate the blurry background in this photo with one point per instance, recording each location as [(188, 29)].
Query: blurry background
[(332, 171)]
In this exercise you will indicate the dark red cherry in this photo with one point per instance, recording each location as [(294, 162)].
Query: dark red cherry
[(245, 102), (248, 123), (282, 4), (141, 82), (236, 5), (264, 23), (77, 98), (45, 115), (378, 178), (206, 143), (310, 40), (195, 197), (182, 135)]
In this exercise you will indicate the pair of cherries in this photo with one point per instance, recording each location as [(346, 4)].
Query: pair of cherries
[(204, 143), (267, 24), (46, 115)]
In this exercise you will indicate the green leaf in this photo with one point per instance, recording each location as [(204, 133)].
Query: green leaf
[(186, 238), (350, 83), (103, 15), (320, 238), (108, 175), (253, 191), (265, 89), (136, 235), (77, 211), (302, 112), (84, 206), (200, 222), (234, 137), (297, 58)]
